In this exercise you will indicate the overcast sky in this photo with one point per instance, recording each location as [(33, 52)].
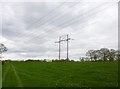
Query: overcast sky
[(29, 30)]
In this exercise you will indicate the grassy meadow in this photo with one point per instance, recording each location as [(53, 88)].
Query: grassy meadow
[(60, 74)]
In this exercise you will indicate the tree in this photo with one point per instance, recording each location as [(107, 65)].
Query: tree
[(117, 54), (82, 59), (93, 54), (2, 48), (90, 54), (96, 55), (112, 54), (104, 52)]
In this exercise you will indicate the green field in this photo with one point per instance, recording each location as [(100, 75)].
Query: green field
[(60, 74)]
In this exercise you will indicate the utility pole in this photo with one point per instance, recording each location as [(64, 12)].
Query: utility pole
[(64, 38), (67, 46), (59, 47)]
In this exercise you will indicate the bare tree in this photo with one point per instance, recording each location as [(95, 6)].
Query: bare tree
[(2, 49)]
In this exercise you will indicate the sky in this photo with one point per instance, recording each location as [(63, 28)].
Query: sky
[(30, 29)]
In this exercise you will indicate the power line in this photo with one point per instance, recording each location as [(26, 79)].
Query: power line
[(31, 32), (38, 36), (45, 16), (49, 13), (47, 30), (41, 36), (56, 16)]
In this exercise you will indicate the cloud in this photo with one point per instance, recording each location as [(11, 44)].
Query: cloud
[(30, 29)]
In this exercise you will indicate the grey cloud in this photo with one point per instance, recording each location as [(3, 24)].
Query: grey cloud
[(36, 26)]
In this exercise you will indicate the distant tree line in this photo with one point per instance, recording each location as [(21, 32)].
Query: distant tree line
[(53, 60), (31, 60), (104, 54), (63, 60), (38, 60)]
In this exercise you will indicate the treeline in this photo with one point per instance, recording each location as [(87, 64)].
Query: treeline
[(104, 54), (38, 60), (53, 60)]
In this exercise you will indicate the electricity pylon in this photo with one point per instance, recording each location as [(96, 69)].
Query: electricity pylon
[(64, 38)]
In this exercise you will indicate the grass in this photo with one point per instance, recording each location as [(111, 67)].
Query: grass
[(60, 74), (0, 76)]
